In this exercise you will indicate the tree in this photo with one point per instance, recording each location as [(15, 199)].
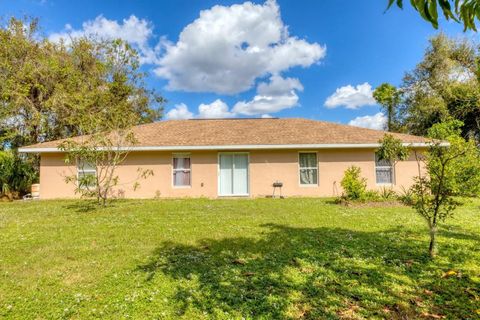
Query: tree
[(45, 87), (434, 192), (389, 98), (104, 152), (466, 11), (107, 124), (52, 91), (443, 85), (393, 150), (115, 86)]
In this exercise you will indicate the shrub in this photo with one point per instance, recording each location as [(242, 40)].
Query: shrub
[(354, 186), (7, 164), (16, 174), (372, 195), (406, 196), (387, 194)]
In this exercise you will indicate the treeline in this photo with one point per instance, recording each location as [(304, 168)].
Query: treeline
[(52, 90), (444, 86)]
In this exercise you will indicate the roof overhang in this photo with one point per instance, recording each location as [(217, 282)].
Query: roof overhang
[(241, 147)]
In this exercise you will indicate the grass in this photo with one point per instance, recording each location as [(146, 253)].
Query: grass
[(234, 259)]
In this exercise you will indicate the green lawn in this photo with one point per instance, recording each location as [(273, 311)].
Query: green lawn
[(234, 259)]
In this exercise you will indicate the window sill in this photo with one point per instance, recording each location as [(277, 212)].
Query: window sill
[(233, 195), (182, 187), (308, 185)]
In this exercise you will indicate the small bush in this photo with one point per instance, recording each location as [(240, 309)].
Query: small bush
[(354, 186), (372, 195), (16, 174), (355, 189)]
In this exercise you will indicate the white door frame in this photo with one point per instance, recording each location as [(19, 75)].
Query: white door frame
[(248, 174)]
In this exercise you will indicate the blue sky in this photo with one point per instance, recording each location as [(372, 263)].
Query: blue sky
[(311, 59)]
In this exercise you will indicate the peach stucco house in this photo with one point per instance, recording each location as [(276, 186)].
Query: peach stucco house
[(240, 157)]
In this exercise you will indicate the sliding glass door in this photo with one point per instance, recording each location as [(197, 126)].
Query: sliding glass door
[(233, 174)]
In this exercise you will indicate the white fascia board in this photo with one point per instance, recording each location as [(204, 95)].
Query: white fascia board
[(242, 147)]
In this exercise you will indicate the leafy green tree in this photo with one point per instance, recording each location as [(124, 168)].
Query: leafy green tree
[(46, 87), (466, 11), (116, 86), (53, 91), (446, 173), (107, 124), (389, 98), (393, 150), (443, 85)]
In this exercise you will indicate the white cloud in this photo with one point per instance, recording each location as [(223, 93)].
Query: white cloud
[(377, 121), (225, 51), (179, 112), (266, 116), (216, 109), (133, 30), (278, 86), (227, 48), (351, 97), (274, 96)]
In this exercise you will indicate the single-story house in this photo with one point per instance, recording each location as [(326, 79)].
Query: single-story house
[(239, 158)]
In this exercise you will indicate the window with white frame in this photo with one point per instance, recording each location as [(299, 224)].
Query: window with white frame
[(383, 170), (86, 174), (308, 168), (181, 170)]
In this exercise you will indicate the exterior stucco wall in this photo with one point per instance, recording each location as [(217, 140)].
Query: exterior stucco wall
[(53, 172), (265, 167)]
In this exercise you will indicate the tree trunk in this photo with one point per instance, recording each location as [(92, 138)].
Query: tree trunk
[(390, 118), (431, 248)]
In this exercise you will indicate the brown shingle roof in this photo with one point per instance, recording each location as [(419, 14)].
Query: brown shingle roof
[(221, 132)]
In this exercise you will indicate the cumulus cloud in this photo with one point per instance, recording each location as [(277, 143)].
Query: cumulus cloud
[(224, 51), (226, 48), (216, 109), (351, 97), (377, 121), (274, 96), (179, 112), (133, 30)]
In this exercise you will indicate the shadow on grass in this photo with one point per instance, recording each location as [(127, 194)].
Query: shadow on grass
[(83, 206), (458, 233), (91, 205), (313, 273)]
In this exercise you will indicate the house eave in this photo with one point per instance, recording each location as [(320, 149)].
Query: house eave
[(240, 147)]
